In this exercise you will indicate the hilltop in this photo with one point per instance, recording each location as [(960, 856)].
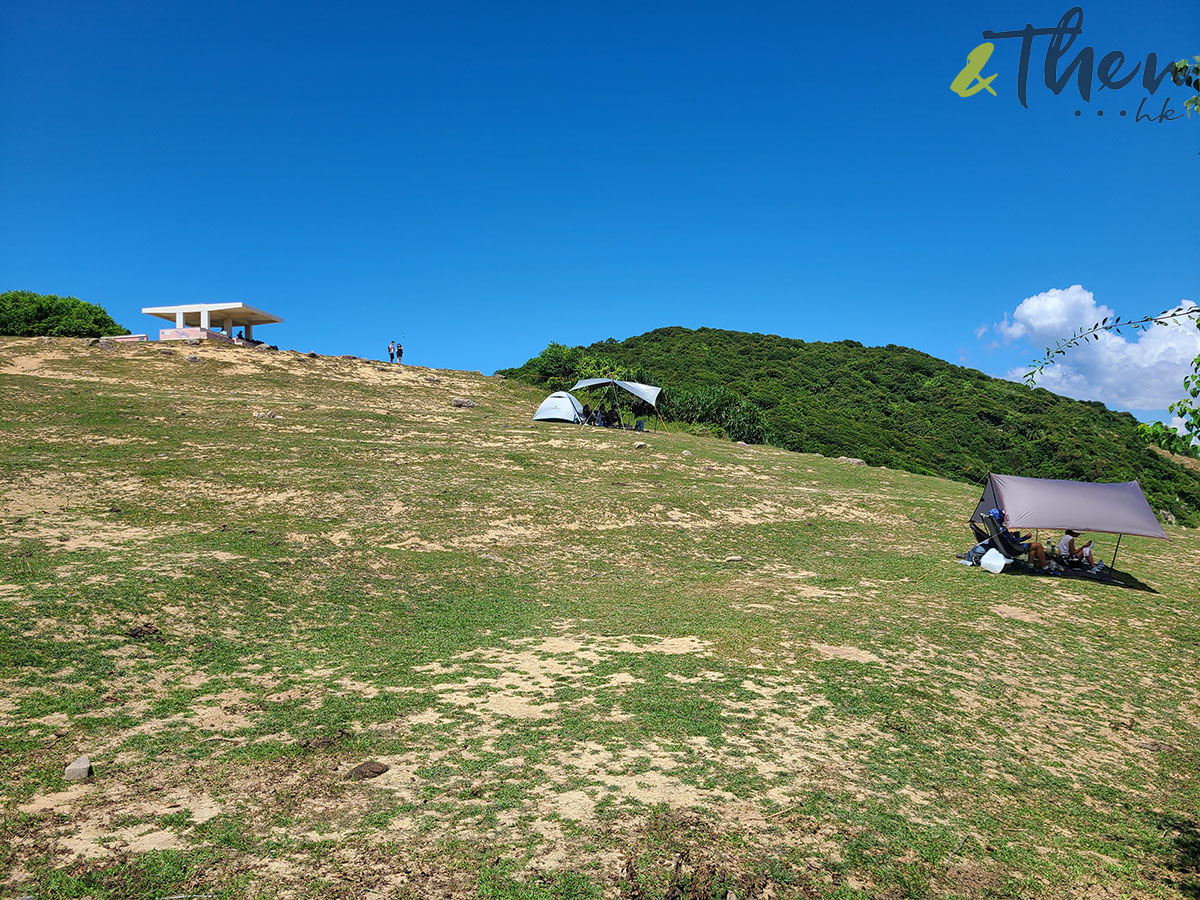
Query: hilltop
[(591, 669), (897, 407)]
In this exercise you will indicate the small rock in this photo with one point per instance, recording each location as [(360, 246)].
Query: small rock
[(312, 355), (463, 403), (191, 359), (368, 769), (742, 444), (733, 559), (381, 369), (348, 356), (639, 445), (850, 460), (166, 351), (1158, 747), (687, 452), (432, 379), (829, 553), (500, 377), (143, 631), (79, 770), (105, 344), (193, 342)]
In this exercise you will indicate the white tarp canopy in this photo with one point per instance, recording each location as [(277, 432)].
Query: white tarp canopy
[(646, 392), (559, 407), (1080, 505)]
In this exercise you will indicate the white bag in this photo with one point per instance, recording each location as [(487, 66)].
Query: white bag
[(994, 561)]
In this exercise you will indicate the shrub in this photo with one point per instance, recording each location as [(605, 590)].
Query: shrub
[(26, 314)]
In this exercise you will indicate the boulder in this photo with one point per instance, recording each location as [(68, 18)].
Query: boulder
[(80, 770), (368, 769), (166, 351), (851, 461), (191, 359), (463, 403)]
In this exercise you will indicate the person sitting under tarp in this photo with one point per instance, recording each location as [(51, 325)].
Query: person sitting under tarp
[(1011, 544), (1072, 555)]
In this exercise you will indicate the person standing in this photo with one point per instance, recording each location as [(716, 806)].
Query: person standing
[(399, 352), (392, 352)]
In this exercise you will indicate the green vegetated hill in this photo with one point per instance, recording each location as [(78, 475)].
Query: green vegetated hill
[(894, 406), (26, 314)]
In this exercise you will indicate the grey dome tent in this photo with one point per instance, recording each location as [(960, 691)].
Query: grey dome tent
[(560, 407), (1119, 508)]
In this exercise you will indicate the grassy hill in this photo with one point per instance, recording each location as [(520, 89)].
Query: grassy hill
[(591, 670), (900, 408)]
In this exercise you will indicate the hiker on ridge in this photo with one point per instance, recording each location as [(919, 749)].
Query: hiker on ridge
[(392, 352), (399, 352)]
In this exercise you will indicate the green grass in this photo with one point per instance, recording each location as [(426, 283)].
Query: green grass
[(538, 631)]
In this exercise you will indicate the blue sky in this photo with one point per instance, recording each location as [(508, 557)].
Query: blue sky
[(480, 179)]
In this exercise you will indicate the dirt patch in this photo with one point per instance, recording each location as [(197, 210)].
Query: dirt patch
[(854, 654)]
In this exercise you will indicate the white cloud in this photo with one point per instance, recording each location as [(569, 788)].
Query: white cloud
[(1138, 370), (1052, 314), (981, 331)]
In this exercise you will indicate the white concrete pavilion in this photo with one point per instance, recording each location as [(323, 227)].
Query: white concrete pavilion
[(201, 321)]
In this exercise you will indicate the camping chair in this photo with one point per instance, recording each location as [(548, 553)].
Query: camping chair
[(980, 534), (1001, 539)]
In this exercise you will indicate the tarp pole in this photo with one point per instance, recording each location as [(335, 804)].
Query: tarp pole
[(1113, 564)]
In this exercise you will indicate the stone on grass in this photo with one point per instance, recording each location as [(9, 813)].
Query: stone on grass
[(639, 445), (191, 359), (463, 403), (368, 769), (79, 770), (166, 351), (733, 559), (433, 380), (143, 631), (850, 460), (687, 452)]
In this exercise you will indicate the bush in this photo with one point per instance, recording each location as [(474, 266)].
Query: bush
[(26, 314)]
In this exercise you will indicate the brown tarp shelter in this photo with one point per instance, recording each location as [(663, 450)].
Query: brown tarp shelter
[(1058, 505)]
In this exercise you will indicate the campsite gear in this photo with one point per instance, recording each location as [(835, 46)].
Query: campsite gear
[(1048, 503), (1002, 538), (994, 561), (645, 392), (1118, 508), (560, 407)]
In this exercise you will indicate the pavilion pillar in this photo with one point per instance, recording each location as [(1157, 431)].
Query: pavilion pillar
[(179, 320), (205, 320), (249, 332), (229, 328)]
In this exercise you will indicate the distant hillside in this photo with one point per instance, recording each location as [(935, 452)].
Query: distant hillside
[(897, 407)]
